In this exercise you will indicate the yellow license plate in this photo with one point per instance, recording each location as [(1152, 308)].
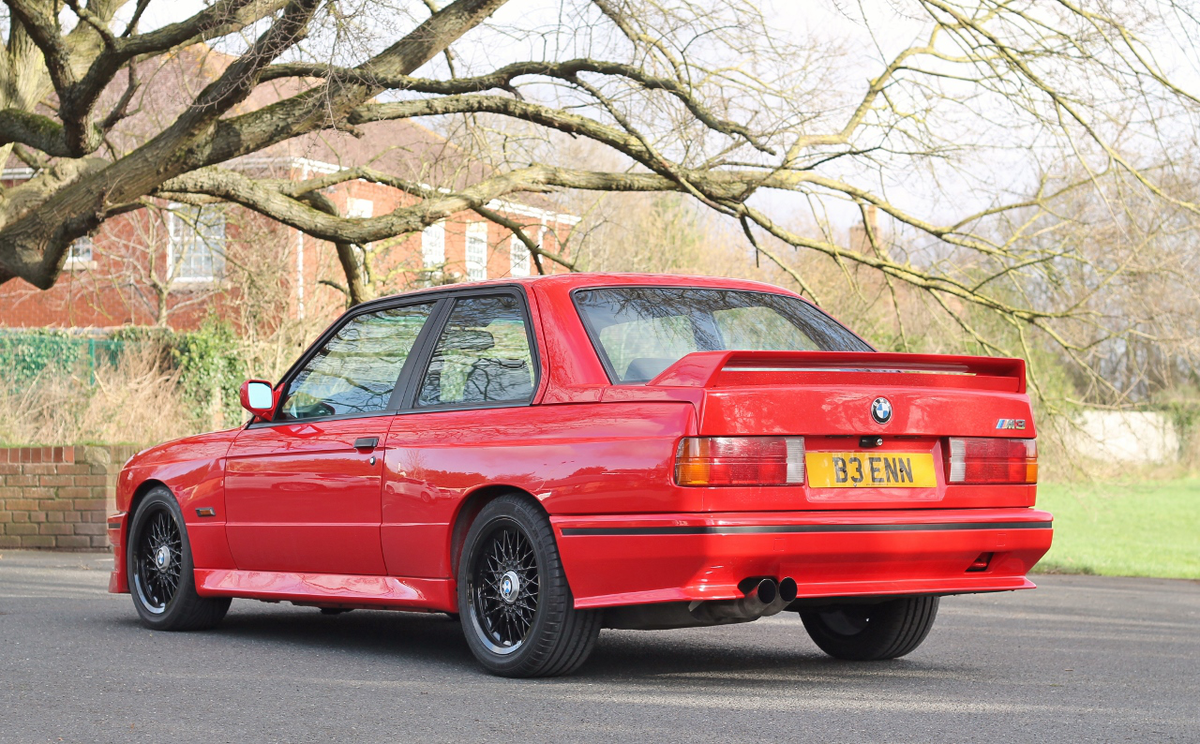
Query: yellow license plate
[(870, 469)]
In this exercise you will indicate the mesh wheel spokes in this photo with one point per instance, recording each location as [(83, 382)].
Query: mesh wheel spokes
[(506, 585), (159, 561)]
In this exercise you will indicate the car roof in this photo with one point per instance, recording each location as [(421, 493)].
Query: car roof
[(577, 280)]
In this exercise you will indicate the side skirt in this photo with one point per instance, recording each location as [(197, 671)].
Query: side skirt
[(382, 592)]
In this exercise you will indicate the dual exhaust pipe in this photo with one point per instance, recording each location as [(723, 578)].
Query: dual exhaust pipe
[(764, 597)]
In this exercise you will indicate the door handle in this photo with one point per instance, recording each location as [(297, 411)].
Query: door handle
[(366, 443)]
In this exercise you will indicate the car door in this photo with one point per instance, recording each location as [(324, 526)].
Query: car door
[(462, 411), (302, 491)]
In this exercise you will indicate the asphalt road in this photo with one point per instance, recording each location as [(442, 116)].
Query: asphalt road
[(1080, 659)]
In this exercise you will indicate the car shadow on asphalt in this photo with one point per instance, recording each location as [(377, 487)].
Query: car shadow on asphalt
[(418, 636), (728, 655), (726, 659)]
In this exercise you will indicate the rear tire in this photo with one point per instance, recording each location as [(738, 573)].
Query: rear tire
[(871, 632), (518, 614), (158, 561)]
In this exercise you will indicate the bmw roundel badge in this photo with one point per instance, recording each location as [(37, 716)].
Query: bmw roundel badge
[(881, 410)]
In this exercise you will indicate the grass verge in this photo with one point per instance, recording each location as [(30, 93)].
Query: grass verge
[(1149, 528)]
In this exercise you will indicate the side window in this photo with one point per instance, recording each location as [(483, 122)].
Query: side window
[(357, 369), (482, 355)]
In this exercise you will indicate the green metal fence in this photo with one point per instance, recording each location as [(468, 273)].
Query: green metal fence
[(27, 355)]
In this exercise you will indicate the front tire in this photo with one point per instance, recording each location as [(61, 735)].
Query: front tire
[(158, 560), (871, 632), (518, 613)]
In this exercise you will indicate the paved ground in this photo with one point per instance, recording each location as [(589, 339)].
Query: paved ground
[(1081, 659)]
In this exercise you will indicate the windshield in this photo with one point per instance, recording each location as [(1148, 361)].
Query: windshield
[(640, 331)]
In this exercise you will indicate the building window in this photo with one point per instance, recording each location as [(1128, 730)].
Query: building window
[(433, 245), (196, 248), (477, 250), (79, 254), (519, 255), (360, 208)]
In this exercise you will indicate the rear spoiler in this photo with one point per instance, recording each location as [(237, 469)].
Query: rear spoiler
[(703, 369)]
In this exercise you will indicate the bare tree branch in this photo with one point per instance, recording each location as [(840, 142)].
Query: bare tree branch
[(1030, 164)]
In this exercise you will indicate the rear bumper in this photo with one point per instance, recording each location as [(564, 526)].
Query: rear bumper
[(615, 560)]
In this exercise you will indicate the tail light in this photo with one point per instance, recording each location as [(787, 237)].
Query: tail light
[(740, 461), (991, 460)]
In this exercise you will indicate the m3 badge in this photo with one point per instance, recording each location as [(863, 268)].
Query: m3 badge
[(1010, 424)]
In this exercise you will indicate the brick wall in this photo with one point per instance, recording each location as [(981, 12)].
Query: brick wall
[(58, 497)]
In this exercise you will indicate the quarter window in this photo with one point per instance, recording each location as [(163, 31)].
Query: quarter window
[(356, 370), (482, 356)]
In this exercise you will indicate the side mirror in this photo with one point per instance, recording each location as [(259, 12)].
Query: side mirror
[(258, 397)]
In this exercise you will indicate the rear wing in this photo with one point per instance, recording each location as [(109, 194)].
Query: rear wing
[(711, 369)]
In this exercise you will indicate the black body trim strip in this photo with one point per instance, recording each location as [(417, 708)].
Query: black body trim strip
[(793, 528)]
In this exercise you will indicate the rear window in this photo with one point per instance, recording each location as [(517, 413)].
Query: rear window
[(640, 331)]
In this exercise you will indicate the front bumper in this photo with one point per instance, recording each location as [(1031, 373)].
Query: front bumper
[(118, 582), (615, 560)]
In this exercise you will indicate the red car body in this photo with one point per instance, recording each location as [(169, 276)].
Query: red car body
[(298, 512)]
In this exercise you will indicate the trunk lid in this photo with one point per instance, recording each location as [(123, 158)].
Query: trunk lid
[(829, 397), (830, 393)]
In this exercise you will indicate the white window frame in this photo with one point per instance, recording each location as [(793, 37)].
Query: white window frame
[(518, 257), (182, 239), (80, 254), (359, 208), (476, 251), (433, 245)]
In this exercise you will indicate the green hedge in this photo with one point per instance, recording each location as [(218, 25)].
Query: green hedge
[(206, 359)]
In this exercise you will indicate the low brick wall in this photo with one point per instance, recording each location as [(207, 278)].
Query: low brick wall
[(58, 497)]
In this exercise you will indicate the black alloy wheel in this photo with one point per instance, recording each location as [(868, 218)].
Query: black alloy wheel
[(159, 557), (871, 632), (159, 567), (505, 593), (518, 612)]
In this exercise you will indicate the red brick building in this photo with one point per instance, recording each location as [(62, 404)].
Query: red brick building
[(174, 264)]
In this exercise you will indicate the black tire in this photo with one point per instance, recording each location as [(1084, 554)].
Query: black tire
[(158, 563), (528, 627), (871, 632)]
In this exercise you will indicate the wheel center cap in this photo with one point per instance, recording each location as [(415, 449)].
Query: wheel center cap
[(162, 558), (510, 586)]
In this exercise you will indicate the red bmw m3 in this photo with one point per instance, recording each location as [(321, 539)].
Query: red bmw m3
[(548, 457)]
